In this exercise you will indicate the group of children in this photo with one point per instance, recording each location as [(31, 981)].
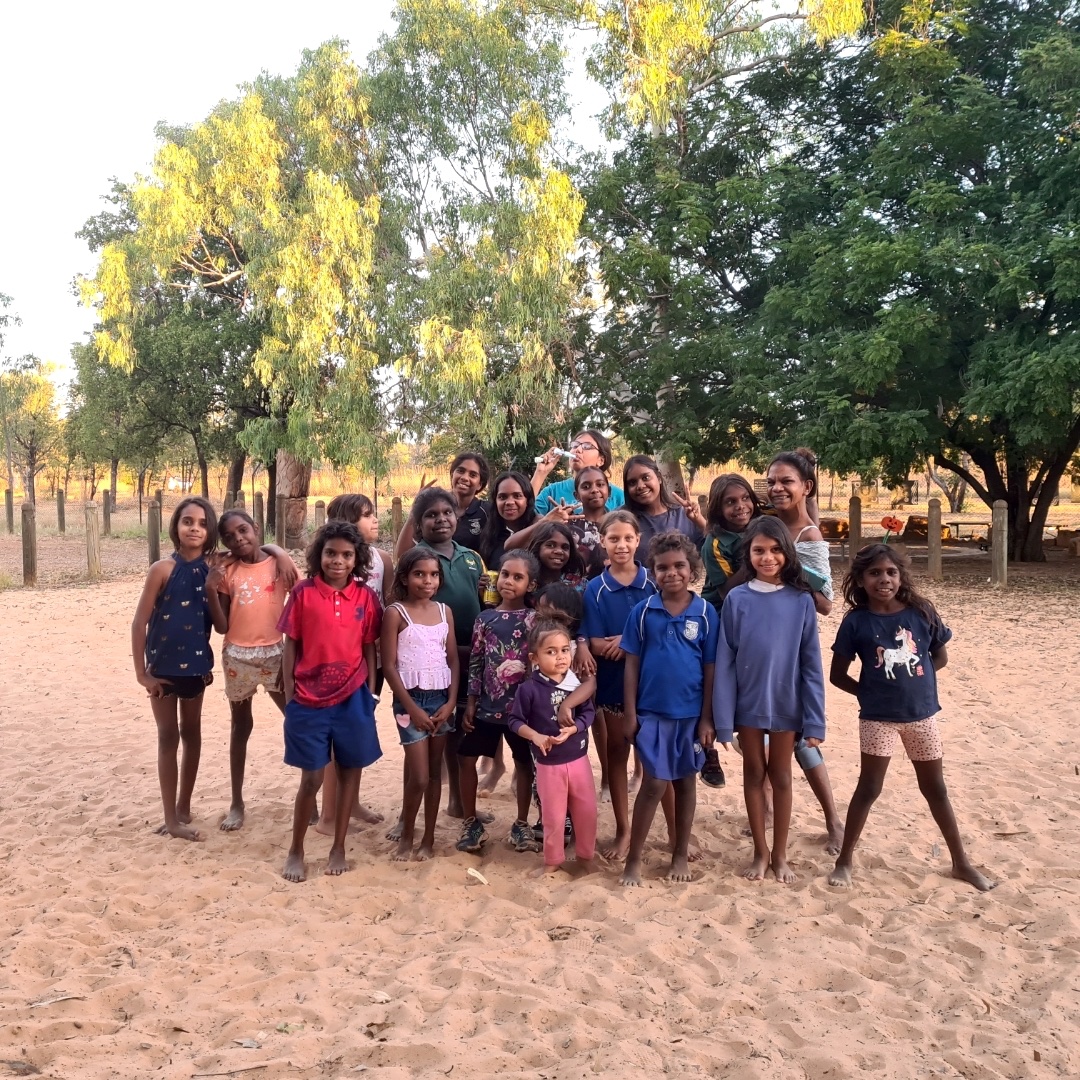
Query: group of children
[(632, 648)]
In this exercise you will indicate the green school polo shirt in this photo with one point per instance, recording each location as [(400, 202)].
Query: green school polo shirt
[(460, 590)]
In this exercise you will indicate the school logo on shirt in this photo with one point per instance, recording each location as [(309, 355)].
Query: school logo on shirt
[(474, 527), (691, 629)]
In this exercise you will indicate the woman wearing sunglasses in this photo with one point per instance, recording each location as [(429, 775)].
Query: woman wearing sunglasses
[(590, 449)]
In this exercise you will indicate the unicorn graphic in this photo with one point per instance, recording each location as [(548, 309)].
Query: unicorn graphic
[(905, 656)]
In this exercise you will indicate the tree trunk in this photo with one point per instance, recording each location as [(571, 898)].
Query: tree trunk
[(114, 469), (293, 481), (142, 489), (271, 497), (204, 471), (235, 482)]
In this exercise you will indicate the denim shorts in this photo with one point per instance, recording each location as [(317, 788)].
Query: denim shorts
[(428, 700)]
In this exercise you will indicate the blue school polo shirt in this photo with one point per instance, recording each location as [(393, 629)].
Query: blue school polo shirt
[(607, 607), (674, 650)]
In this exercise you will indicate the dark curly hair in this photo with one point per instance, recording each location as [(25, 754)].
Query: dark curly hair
[(804, 461), (211, 522), (339, 530), (567, 602), (673, 541), (865, 557)]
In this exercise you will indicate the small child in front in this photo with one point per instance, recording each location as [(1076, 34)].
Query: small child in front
[(331, 624), (170, 646), (564, 776), (669, 643), (900, 639)]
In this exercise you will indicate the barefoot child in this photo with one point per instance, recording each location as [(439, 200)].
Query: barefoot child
[(769, 681), (420, 659), (900, 640), (669, 642), (331, 624), (564, 778), (246, 599), (609, 599), (497, 664), (170, 646)]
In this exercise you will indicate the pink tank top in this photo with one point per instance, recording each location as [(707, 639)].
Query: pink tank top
[(421, 658)]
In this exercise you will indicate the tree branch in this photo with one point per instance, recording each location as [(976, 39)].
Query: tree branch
[(964, 474)]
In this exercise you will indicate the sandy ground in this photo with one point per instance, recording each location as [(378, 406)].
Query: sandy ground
[(184, 960)]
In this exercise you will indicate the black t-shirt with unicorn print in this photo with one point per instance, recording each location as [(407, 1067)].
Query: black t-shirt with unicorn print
[(897, 682)]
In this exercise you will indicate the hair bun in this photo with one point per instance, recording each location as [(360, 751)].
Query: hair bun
[(806, 452)]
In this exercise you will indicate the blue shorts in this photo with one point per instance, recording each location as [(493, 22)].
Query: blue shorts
[(668, 746), (346, 730), (428, 700)]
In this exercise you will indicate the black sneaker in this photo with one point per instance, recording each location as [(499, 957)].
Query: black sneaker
[(473, 835), (521, 837), (712, 773), (568, 828), (538, 832)]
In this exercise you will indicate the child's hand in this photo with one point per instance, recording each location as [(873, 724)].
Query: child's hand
[(541, 742), (584, 666), (564, 734), (154, 687), (633, 726), (468, 721), (814, 742), (286, 571), (421, 720), (566, 716), (706, 734), (442, 715), (214, 578)]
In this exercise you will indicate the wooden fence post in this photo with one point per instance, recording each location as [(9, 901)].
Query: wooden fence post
[(9, 508), (933, 540), (259, 515), (61, 517), (29, 545), (395, 517), (279, 522), (239, 503), (703, 503), (320, 514), (93, 543), (230, 500), (999, 545), (153, 531), (106, 513), (854, 526)]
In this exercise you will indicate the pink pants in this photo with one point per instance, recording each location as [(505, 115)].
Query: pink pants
[(561, 788)]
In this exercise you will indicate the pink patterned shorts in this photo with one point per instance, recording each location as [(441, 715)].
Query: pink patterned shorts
[(921, 739)]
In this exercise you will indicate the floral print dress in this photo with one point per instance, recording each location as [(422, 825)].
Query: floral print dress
[(499, 661)]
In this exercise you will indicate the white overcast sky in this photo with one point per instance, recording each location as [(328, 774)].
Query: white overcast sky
[(82, 86)]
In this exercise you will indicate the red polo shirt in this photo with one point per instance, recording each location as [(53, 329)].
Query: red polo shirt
[(330, 628)]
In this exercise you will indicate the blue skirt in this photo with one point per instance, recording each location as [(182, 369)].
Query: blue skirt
[(668, 746)]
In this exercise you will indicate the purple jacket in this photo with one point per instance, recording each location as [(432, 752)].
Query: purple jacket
[(536, 703)]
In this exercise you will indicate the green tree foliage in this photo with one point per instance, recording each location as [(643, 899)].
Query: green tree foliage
[(480, 222), (267, 208), (32, 427), (889, 235)]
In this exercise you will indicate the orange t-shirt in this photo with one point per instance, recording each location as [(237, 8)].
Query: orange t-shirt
[(256, 602)]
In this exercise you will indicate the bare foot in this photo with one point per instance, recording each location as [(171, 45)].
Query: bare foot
[(365, 814), (394, 832), (835, 840), (680, 870), (490, 779), (784, 874), (453, 809), (967, 872), (693, 852), (425, 852), (582, 867), (294, 868), (180, 830), (618, 847), (336, 864), (756, 870), (234, 819), (631, 874), (183, 816), (403, 852), (326, 828), (551, 871), (841, 877), (605, 794)]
